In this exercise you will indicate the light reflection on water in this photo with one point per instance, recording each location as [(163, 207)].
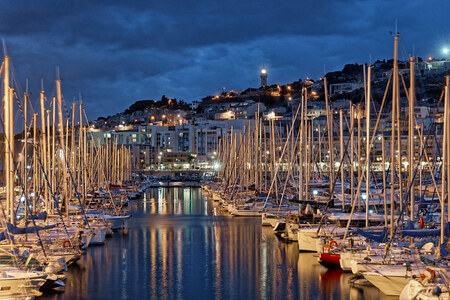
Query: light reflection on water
[(177, 248)]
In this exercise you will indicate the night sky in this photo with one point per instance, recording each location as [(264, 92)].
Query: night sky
[(117, 52)]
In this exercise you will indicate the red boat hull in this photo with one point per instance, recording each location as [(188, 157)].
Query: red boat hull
[(330, 259)]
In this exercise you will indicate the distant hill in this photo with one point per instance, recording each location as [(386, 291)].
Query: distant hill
[(152, 104)]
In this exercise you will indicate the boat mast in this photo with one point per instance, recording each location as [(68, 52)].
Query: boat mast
[(412, 97), (330, 135), (447, 104), (445, 170), (62, 142), (341, 146), (35, 174), (394, 106), (358, 151), (25, 152), (444, 163), (53, 152), (352, 153), (383, 163), (43, 139), (369, 68), (8, 94)]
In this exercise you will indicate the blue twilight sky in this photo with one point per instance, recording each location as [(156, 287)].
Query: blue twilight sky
[(117, 52)]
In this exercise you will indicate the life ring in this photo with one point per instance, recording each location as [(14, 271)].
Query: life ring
[(325, 248), (421, 222), (427, 274), (296, 219), (333, 244), (66, 244)]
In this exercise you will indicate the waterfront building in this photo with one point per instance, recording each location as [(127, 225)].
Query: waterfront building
[(172, 147)]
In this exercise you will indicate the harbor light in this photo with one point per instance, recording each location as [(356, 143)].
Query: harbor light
[(445, 50)]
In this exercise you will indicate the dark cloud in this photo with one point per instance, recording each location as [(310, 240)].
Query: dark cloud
[(115, 52)]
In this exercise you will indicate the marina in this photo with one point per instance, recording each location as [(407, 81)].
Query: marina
[(329, 188), (381, 217)]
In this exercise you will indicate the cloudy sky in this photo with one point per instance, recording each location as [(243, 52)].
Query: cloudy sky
[(116, 52)]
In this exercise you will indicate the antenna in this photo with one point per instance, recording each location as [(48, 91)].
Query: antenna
[(396, 30), (42, 84), (4, 46), (370, 59), (26, 86), (57, 73)]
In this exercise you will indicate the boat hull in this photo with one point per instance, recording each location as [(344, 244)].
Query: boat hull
[(331, 260)]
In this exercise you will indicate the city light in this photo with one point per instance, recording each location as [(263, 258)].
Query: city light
[(445, 50), (271, 115)]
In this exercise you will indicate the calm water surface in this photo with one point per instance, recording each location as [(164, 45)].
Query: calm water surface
[(179, 246)]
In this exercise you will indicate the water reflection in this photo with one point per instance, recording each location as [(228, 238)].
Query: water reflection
[(177, 248)]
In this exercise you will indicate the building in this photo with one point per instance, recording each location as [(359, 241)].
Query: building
[(347, 87), (172, 147)]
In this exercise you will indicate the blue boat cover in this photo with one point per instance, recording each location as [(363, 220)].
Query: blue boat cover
[(11, 229), (377, 236), (39, 216), (426, 232), (17, 230)]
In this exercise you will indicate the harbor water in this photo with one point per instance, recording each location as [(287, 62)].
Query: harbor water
[(180, 246)]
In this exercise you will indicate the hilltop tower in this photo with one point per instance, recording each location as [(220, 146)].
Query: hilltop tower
[(263, 75)]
